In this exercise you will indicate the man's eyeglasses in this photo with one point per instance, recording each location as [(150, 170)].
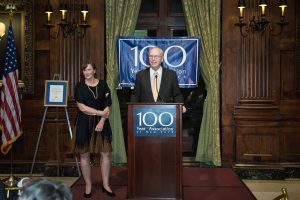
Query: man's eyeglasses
[(154, 57)]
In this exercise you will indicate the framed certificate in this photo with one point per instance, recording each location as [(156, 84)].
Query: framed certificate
[(56, 93)]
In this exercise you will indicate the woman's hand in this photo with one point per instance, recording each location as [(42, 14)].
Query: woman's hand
[(99, 126)]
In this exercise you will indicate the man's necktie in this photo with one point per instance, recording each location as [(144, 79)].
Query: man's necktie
[(155, 87)]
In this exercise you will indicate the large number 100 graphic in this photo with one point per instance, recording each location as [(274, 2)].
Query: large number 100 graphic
[(153, 119), (138, 56)]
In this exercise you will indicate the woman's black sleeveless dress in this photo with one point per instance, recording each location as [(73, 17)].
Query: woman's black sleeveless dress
[(86, 139)]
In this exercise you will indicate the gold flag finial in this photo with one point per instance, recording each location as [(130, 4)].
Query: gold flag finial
[(11, 8)]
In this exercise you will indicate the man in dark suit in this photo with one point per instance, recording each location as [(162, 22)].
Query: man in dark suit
[(156, 83)]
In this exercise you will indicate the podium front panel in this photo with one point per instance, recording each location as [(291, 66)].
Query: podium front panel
[(154, 151)]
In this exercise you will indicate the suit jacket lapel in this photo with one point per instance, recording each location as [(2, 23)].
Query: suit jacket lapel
[(148, 82), (163, 81)]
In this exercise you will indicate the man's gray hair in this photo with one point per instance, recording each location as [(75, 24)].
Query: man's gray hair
[(43, 189)]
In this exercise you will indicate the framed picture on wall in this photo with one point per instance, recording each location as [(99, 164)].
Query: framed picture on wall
[(56, 93), (21, 19), (17, 24)]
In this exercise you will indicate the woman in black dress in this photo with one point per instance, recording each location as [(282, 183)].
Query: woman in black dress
[(93, 132)]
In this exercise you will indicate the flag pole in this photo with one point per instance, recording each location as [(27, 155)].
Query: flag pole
[(11, 180)]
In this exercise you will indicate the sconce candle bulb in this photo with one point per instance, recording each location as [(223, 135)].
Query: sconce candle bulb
[(263, 4), (282, 10), (282, 5), (241, 6), (48, 11), (63, 8), (84, 11)]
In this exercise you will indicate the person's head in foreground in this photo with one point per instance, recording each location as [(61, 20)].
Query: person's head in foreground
[(43, 189)]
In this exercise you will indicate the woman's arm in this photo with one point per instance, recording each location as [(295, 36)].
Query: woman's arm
[(92, 111), (100, 125)]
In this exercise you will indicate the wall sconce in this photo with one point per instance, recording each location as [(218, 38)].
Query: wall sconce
[(260, 25), (68, 27)]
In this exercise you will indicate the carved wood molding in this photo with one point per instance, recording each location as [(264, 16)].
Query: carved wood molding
[(249, 113)]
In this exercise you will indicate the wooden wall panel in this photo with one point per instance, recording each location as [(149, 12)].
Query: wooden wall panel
[(257, 142), (228, 145), (53, 129), (258, 88), (40, 32), (97, 35), (297, 28), (287, 72), (289, 142), (42, 71)]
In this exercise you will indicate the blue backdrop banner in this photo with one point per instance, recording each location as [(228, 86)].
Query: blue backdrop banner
[(181, 54)]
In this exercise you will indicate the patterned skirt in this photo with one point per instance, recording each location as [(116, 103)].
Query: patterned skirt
[(95, 145)]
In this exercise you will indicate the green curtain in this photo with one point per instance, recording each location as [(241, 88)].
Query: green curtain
[(203, 18), (121, 17)]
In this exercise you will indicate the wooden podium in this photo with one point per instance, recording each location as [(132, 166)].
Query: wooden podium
[(154, 151)]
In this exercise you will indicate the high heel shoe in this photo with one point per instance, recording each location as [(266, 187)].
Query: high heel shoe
[(112, 194), (87, 195)]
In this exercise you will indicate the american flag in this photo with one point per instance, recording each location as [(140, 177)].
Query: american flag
[(10, 113)]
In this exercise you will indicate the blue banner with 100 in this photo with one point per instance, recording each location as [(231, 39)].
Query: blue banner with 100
[(181, 54)]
